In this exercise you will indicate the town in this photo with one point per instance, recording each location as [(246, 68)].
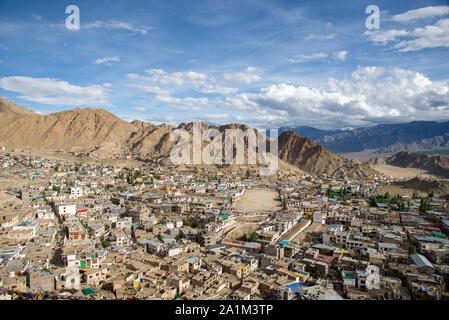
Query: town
[(77, 228)]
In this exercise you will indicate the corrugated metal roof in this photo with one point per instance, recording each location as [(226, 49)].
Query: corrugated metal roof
[(421, 261)]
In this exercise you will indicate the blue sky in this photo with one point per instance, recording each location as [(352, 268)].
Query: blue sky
[(264, 63)]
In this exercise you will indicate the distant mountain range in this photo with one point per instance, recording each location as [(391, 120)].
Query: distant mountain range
[(383, 138), (309, 132)]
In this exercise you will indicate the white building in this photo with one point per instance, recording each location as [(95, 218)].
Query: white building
[(319, 217), (76, 192), (67, 209)]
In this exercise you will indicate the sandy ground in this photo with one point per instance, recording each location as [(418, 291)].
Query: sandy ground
[(6, 183), (364, 155), (48, 154), (254, 200), (314, 227), (392, 190), (398, 172), (291, 232), (238, 232)]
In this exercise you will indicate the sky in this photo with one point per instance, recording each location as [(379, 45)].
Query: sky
[(264, 63)]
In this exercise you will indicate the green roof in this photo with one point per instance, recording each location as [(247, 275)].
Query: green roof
[(88, 291), (348, 275), (438, 234)]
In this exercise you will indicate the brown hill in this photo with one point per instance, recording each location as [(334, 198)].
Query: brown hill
[(74, 130), (7, 106), (436, 165), (97, 131), (421, 186), (313, 158)]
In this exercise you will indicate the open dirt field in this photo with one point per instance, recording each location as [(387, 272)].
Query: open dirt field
[(289, 235), (239, 231), (53, 155), (314, 227), (398, 172), (254, 200)]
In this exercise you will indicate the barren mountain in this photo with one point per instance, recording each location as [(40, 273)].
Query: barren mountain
[(7, 106), (421, 186), (315, 159), (97, 131), (389, 138), (436, 165)]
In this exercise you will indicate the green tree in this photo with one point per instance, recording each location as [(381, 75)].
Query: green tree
[(137, 174), (253, 237), (284, 204), (412, 249), (424, 206), (106, 243)]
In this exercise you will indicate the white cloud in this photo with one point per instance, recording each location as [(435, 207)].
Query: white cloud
[(36, 16), (211, 88), (314, 36), (152, 89), (302, 57), (139, 108), (248, 76), (372, 95), (433, 36), (117, 25), (430, 36), (421, 13), (176, 78), (340, 55), (199, 82), (107, 60), (385, 36), (188, 103), (55, 92)]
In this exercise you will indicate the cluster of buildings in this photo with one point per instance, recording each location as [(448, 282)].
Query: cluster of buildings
[(73, 228)]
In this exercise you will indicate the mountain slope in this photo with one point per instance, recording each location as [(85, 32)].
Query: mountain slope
[(436, 165), (98, 132), (7, 106), (310, 132), (313, 158), (390, 138)]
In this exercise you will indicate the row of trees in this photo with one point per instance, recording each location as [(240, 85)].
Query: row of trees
[(131, 177), (386, 198), (425, 205), (189, 222), (342, 193), (397, 199), (251, 238)]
